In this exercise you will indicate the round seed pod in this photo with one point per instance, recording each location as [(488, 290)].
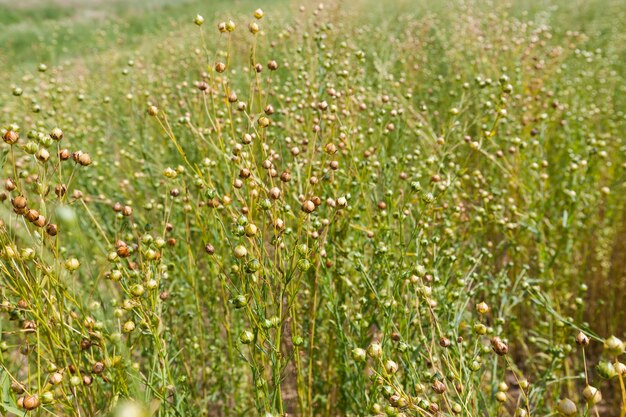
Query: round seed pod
[(19, 202), (592, 395), (56, 134), (272, 65), (52, 229), (11, 137), (566, 407), (439, 387), (220, 67), (153, 110), (31, 215), (308, 206), (84, 159), (274, 193), (499, 346), (64, 154), (40, 222), (31, 402), (582, 339)]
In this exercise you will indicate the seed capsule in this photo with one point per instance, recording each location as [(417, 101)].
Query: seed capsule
[(52, 229), (19, 202), (566, 407), (582, 339), (274, 193), (220, 67), (31, 402), (11, 137), (592, 395), (308, 206), (56, 134), (499, 346), (258, 14), (84, 159), (439, 387), (375, 350)]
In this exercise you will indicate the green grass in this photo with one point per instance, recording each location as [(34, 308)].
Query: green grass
[(420, 212)]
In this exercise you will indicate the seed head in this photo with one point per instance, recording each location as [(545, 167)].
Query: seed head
[(375, 350), (240, 251), (482, 308), (308, 206), (582, 339), (56, 134), (198, 20), (566, 407), (258, 14), (31, 402), (439, 387), (592, 395), (11, 137), (253, 28), (499, 346), (153, 110), (274, 193)]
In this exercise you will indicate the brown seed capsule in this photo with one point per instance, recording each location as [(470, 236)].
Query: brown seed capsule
[(274, 193), (117, 207), (97, 368), (232, 97), (40, 222), (439, 387), (87, 380), (174, 192), (209, 249), (382, 205), (84, 159), (9, 185), (272, 65), (11, 137), (395, 336), (316, 200), (31, 402), (269, 110), (85, 344), (202, 85), (444, 342), (56, 378), (60, 190), (153, 110), (434, 408), (285, 176), (52, 229), (244, 173), (582, 339), (56, 134), (308, 206), (258, 68), (334, 165), (164, 295), (31, 215), (499, 346), (127, 211), (220, 67), (64, 154), (123, 251), (19, 202)]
